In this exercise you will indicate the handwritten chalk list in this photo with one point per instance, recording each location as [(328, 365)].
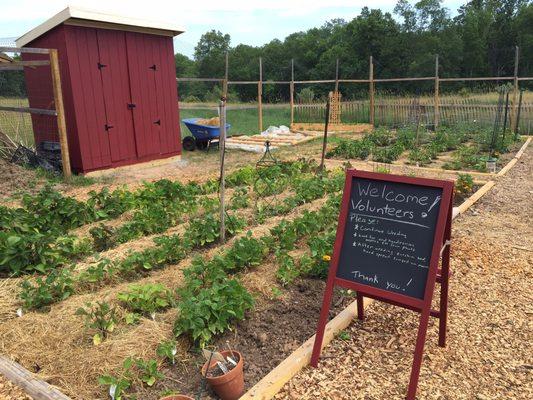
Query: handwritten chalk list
[(389, 235)]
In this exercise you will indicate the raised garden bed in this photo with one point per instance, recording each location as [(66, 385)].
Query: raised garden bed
[(463, 148), (280, 265)]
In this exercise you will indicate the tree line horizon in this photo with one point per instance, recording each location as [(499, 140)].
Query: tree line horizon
[(479, 41)]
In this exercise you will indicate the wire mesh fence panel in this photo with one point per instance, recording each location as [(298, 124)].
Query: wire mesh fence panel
[(28, 119)]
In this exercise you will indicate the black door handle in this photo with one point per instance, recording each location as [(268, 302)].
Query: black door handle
[(153, 67), (131, 106), (100, 65), (158, 122), (108, 127)]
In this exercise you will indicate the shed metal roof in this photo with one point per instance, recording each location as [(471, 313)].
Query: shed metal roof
[(86, 17)]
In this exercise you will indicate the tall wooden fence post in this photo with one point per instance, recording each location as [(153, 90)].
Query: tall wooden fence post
[(371, 89), (436, 106), (337, 76), (291, 90), (260, 95), (515, 89), (222, 188), (225, 83), (60, 110)]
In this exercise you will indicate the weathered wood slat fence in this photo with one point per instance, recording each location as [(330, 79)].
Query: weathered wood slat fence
[(398, 112)]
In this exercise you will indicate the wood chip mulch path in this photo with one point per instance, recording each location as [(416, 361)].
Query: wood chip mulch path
[(488, 354)]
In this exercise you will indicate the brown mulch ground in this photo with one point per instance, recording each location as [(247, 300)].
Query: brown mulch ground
[(15, 180), (490, 325)]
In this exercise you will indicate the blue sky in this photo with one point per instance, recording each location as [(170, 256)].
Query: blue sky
[(249, 22)]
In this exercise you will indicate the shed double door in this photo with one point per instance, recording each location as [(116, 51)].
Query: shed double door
[(138, 102)]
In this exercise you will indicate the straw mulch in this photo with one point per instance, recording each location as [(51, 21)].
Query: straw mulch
[(490, 326), (58, 346)]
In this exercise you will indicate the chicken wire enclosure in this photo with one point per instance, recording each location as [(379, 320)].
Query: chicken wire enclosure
[(29, 132)]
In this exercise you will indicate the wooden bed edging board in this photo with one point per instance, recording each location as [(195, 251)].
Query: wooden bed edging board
[(272, 383), (36, 388), (515, 159), (412, 168)]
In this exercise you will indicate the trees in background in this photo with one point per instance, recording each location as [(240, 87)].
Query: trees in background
[(478, 41)]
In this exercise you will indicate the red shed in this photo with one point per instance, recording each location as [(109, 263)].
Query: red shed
[(119, 87)]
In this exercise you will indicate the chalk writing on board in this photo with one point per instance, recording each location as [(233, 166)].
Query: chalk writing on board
[(389, 235)]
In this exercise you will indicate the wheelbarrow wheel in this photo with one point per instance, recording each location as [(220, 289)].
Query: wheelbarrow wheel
[(202, 144), (189, 143)]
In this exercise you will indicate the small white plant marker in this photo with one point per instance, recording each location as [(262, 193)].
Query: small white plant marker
[(153, 316), (19, 312), (112, 390), (174, 351)]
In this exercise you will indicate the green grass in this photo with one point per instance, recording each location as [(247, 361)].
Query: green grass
[(243, 121)]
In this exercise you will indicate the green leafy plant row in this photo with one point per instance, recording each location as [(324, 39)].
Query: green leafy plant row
[(169, 249)]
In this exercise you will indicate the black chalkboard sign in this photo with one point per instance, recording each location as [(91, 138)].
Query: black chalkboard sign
[(389, 234), (392, 232)]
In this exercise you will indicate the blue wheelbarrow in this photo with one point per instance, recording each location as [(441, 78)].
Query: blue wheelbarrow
[(202, 135)]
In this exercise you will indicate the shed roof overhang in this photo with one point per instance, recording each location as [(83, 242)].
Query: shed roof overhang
[(97, 19)]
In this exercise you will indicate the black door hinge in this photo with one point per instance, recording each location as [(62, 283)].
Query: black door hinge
[(108, 127), (153, 67), (100, 65), (131, 106), (158, 122)]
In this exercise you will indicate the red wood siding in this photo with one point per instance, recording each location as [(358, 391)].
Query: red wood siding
[(116, 87), (143, 95), (83, 58), (168, 94)]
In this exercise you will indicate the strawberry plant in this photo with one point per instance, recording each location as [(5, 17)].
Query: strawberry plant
[(167, 349), (206, 230), (100, 317), (119, 384), (97, 273), (239, 199), (102, 237), (287, 271), (112, 204), (28, 253), (246, 252), (209, 311), (56, 286), (148, 372), (146, 299), (51, 211), (241, 177)]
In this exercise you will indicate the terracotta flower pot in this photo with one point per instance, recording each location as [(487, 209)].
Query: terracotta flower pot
[(230, 385), (176, 397)]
